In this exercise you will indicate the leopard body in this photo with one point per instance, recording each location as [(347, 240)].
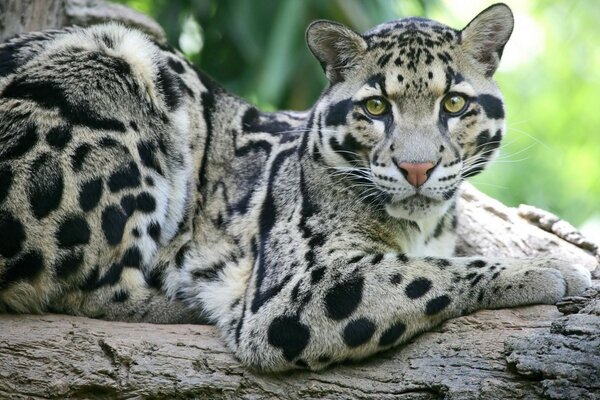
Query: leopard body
[(133, 187)]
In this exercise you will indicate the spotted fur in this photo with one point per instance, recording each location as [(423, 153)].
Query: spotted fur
[(133, 187)]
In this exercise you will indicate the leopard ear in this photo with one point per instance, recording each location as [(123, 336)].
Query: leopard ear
[(486, 35), (335, 46)]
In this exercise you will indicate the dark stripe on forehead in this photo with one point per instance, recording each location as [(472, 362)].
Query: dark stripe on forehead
[(378, 79)]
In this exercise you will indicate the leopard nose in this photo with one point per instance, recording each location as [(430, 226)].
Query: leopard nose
[(416, 173)]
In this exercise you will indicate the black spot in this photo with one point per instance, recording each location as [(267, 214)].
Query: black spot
[(108, 141), (450, 193), (437, 304), (477, 264), (146, 152), (145, 202), (154, 277), (46, 186), (113, 224), (492, 106), (107, 40), (176, 66), (154, 231), (476, 280), (290, 335), (149, 181), (317, 274), (6, 180), (90, 194), (21, 145), (12, 235), (120, 296), (338, 112), (59, 136), (49, 94), (136, 232), (296, 291), (128, 203), (132, 257), (301, 363), (402, 258), (480, 296), (128, 177), (73, 231), (378, 80), (180, 256), (134, 126), (358, 331), (343, 299), (112, 276), (418, 288), (167, 83), (27, 266), (392, 334), (208, 103), (439, 228), (356, 259), (483, 137), (255, 121), (442, 263), (396, 279), (91, 280), (211, 273), (317, 239), (384, 59), (324, 359), (377, 259), (79, 156), (68, 264)]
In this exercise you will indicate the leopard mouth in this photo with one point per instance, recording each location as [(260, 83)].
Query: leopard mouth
[(416, 199)]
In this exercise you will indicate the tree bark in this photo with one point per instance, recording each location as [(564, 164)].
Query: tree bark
[(528, 352), (17, 16)]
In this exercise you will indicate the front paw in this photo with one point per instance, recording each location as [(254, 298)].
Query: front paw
[(577, 278), (540, 281)]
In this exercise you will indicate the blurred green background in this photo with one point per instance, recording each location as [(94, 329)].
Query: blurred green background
[(550, 75)]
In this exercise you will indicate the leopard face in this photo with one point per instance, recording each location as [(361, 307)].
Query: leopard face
[(412, 109)]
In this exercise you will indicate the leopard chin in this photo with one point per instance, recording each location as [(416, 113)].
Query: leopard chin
[(417, 207)]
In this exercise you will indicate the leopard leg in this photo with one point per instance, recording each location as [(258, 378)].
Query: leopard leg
[(364, 303)]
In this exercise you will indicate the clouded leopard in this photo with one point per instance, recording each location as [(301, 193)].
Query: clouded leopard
[(134, 187)]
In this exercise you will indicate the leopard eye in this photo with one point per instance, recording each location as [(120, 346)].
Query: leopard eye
[(454, 104), (376, 106)]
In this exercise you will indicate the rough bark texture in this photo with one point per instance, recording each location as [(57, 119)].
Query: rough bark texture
[(530, 352)]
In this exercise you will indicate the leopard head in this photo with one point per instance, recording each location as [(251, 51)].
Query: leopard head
[(412, 108)]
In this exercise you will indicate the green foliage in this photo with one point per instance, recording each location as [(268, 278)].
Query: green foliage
[(552, 151)]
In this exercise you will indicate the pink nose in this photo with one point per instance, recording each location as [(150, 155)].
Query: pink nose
[(416, 173)]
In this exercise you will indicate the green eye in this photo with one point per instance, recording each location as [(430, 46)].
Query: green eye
[(376, 106), (454, 103)]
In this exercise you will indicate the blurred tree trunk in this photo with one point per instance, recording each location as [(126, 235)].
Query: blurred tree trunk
[(528, 352), (18, 16)]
